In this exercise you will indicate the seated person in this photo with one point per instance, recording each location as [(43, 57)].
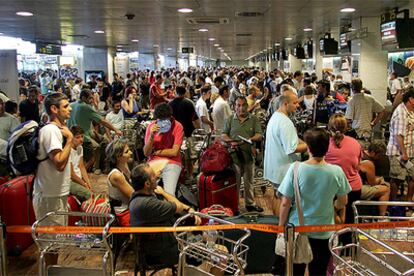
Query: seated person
[(129, 103), (163, 139), (150, 205), (80, 185), (119, 178), (116, 118)]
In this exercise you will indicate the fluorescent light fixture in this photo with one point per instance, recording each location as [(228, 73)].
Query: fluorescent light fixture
[(288, 38), (99, 32), (216, 45), (222, 50), (270, 48), (156, 45), (211, 39), (307, 29), (135, 40), (352, 29), (203, 30), (277, 44), (347, 10), (24, 13), (169, 49), (185, 10)]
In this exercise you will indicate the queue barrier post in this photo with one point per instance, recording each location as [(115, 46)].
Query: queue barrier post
[(289, 236), (3, 249)]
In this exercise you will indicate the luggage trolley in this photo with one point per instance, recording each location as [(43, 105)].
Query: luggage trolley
[(227, 256), (86, 244), (375, 251)]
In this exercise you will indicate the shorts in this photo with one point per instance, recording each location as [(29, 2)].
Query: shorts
[(369, 192), (398, 171), (43, 205)]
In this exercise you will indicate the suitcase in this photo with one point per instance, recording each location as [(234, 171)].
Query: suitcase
[(220, 188), (218, 211), (73, 206), (4, 179), (16, 208), (261, 255)]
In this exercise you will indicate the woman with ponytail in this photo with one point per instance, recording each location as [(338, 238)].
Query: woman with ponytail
[(345, 152)]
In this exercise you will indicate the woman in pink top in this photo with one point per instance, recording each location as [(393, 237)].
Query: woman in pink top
[(345, 152)]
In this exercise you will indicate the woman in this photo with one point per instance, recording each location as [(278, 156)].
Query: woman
[(345, 152), (129, 103), (308, 99), (163, 139), (319, 184), (119, 178)]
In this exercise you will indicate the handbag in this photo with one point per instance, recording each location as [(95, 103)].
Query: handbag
[(96, 204), (302, 251)]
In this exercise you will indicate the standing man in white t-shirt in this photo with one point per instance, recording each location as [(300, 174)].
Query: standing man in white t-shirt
[(52, 182), (202, 111), (221, 108), (395, 85)]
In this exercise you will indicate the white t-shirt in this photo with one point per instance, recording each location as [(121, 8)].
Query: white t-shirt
[(214, 89), (75, 156), (201, 109), (117, 120), (209, 80), (49, 181), (221, 111), (395, 85)]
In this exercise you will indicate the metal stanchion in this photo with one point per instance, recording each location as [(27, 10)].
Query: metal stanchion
[(3, 249), (289, 236)]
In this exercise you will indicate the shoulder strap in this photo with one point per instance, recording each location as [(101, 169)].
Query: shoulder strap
[(297, 193)]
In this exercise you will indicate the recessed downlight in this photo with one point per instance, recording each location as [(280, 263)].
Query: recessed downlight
[(277, 44), (211, 39), (185, 10), (24, 13), (216, 45), (99, 32), (203, 30), (169, 49), (288, 38), (307, 29), (347, 10), (135, 40)]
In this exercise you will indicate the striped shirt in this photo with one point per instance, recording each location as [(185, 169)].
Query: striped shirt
[(402, 123)]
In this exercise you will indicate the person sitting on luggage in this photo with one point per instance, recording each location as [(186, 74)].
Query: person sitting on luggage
[(80, 185), (151, 205), (163, 139), (319, 183), (119, 178), (243, 124)]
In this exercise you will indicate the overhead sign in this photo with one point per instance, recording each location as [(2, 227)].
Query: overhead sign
[(187, 50), (357, 34), (48, 49)]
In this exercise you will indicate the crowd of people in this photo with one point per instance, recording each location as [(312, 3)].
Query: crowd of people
[(85, 123)]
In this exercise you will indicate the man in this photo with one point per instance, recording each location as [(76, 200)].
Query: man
[(115, 117), (117, 88), (282, 143), (395, 85), (83, 114), (324, 105), (92, 82), (400, 149), (221, 108), (157, 94), (184, 112), (202, 111), (218, 82), (77, 89), (45, 83), (29, 108), (297, 80), (236, 91), (244, 124), (361, 109), (104, 94)]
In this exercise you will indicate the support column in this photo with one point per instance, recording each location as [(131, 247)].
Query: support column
[(318, 60), (295, 63)]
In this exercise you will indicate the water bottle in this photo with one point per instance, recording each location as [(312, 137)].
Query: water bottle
[(211, 235)]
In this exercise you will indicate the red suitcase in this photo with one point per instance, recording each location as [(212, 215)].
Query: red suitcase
[(216, 210), (73, 206), (219, 188), (16, 208)]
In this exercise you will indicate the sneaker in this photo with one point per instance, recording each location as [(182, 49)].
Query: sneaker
[(254, 208), (97, 172)]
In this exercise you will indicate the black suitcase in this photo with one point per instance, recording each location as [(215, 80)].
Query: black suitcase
[(261, 255)]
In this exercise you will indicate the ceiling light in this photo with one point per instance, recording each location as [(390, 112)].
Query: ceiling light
[(222, 50), (1, 34), (119, 46), (351, 29), (202, 30), (135, 40), (169, 49), (270, 48), (99, 32), (347, 10), (288, 38), (185, 10), (277, 44), (24, 13), (156, 45), (307, 29), (211, 39), (219, 48), (216, 45)]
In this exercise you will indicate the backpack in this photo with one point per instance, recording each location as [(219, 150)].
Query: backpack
[(23, 147), (215, 158)]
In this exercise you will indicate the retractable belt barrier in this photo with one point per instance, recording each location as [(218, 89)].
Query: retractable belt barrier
[(258, 227)]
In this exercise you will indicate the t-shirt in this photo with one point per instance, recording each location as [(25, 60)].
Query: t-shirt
[(83, 115), (221, 111), (75, 156), (348, 157), (117, 120), (184, 112), (29, 110), (395, 85), (7, 124), (49, 181), (155, 95), (202, 111), (166, 141), (281, 143), (318, 185)]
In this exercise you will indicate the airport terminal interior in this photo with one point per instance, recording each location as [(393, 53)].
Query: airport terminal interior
[(206, 137)]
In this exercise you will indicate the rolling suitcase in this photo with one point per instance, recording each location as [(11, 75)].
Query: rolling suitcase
[(73, 206), (16, 209), (261, 255), (219, 188)]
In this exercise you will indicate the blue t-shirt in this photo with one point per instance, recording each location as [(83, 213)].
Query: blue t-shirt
[(318, 185), (281, 143)]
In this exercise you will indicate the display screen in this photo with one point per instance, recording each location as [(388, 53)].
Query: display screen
[(48, 49), (322, 44), (343, 42), (389, 33)]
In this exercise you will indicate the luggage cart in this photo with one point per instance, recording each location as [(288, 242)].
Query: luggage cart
[(227, 256), (82, 244), (375, 251)]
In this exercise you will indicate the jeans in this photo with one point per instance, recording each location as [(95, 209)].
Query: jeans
[(170, 175), (246, 170)]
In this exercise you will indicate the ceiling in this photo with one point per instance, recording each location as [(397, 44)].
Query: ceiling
[(158, 22)]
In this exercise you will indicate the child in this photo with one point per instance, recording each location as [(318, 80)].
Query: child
[(80, 184)]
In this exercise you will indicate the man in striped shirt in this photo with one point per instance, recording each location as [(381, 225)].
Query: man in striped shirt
[(400, 149)]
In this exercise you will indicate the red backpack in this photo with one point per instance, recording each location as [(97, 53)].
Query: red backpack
[(215, 158)]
